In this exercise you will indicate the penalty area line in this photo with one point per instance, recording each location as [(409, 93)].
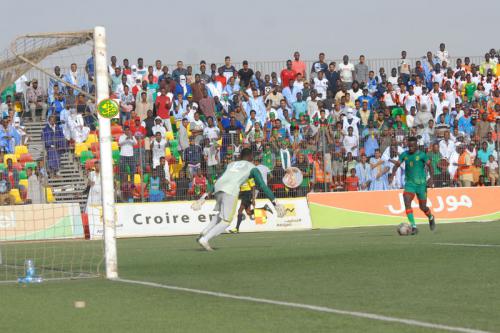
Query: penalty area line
[(467, 245), (365, 315)]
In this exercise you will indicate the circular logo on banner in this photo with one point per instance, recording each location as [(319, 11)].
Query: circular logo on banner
[(108, 108)]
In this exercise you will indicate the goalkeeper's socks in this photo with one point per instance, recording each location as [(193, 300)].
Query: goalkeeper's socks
[(411, 218), (211, 224), (238, 223), (217, 230)]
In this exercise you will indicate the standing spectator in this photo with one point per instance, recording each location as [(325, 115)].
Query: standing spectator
[(203, 75), (319, 66), (127, 141), (245, 74), (442, 54), (298, 65), (290, 93), (287, 74), (180, 70), (464, 165), (183, 135), (404, 68), (363, 171), (36, 186), (351, 143), (321, 85), (197, 88), (361, 70), (143, 105), (55, 143), (446, 146), (163, 104), (127, 104), (182, 87), (207, 105), (36, 100), (333, 77), (193, 156), (158, 146), (211, 154), (346, 71), (380, 171), (94, 182), (228, 70)]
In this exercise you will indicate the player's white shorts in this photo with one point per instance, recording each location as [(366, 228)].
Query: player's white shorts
[(226, 205)]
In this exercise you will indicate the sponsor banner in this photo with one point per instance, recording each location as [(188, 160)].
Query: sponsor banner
[(40, 222), (177, 218), (352, 209)]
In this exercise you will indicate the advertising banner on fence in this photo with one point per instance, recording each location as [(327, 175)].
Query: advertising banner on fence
[(40, 221), (177, 218), (352, 209)]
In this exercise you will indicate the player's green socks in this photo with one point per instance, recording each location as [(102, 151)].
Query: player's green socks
[(411, 218)]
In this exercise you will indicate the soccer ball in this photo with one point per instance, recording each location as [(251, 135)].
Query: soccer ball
[(404, 229)]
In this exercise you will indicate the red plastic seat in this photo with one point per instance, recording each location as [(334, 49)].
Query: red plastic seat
[(25, 158), (94, 147), (89, 164), (116, 130)]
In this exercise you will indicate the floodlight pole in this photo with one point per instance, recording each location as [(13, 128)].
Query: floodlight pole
[(108, 193)]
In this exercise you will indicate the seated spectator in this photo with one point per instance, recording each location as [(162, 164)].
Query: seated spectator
[(492, 170), (6, 199), (8, 136), (37, 100), (352, 181), (78, 131), (156, 193), (198, 184)]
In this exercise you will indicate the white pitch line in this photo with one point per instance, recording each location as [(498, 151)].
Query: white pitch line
[(365, 315), (468, 245)]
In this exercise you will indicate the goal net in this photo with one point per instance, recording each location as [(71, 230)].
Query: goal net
[(49, 170)]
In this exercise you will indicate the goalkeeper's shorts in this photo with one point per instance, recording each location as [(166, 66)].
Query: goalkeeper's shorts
[(226, 205)]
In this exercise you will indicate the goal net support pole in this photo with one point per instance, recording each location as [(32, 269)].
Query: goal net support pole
[(108, 195)]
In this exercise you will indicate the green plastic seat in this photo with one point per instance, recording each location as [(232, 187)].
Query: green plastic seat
[(86, 155), (116, 156), (31, 165)]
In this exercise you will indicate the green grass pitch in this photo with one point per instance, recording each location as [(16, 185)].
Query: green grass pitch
[(358, 269)]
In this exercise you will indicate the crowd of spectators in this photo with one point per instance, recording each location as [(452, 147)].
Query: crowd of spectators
[(341, 123)]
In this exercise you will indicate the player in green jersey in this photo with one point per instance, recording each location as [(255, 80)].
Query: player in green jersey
[(226, 192), (415, 182)]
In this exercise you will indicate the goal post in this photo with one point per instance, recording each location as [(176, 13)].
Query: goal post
[(108, 194)]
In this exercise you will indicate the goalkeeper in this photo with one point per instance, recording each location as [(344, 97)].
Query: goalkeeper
[(226, 192)]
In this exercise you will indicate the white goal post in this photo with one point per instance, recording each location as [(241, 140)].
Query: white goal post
[(108, 193)]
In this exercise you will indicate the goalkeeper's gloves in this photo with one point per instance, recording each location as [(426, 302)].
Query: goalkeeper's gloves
[(199, 203), (280, 209)]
